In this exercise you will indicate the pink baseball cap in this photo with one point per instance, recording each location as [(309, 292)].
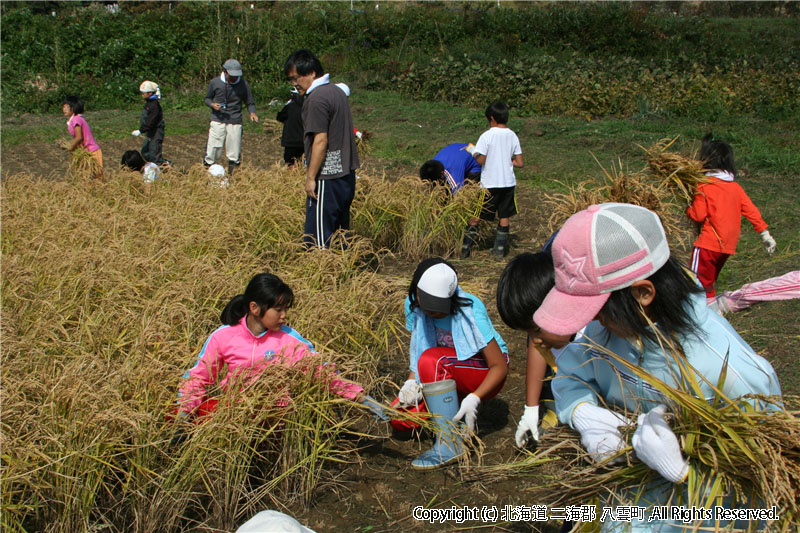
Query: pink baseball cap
[(599, 250)]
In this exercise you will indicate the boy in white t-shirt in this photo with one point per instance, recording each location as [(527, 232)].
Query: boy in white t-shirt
[(498, 151)]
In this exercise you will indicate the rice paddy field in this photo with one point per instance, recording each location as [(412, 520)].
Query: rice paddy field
[(109, 290)]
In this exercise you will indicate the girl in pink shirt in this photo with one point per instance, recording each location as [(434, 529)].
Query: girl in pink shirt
[(81, 132), (254, 335)]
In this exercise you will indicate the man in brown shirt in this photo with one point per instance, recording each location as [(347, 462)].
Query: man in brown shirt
[(330, 149)]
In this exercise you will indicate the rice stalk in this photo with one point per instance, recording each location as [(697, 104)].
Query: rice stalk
[(82, 165), (105, 311), (619, 185), (577, 198), (412, 218), (739, 453), (363, 144), (272, 128)]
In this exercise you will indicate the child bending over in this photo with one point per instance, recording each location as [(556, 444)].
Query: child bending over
[(614, 275), (457, 359), (81, 132)]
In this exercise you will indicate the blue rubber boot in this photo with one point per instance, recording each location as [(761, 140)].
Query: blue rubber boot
[(442, 400)]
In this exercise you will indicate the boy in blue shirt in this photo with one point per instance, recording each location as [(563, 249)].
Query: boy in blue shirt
[(498, 151), (453, 165)]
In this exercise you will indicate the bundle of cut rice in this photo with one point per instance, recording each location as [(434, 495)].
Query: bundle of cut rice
[(83, 165), (679, 173), (362, 142), (577, 198), (739, 455), (621, 186)]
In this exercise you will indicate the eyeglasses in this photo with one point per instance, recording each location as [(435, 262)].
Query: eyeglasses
[(295, 77)]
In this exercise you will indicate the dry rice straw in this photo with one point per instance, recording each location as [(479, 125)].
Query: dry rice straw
[(735, 449)]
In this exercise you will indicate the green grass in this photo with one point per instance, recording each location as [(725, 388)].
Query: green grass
[(408, 132)]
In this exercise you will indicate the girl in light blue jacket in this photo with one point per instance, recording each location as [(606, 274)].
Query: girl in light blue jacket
[(614, 272), (456, 358)]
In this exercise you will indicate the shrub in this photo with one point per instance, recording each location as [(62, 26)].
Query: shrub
[(582, 59)]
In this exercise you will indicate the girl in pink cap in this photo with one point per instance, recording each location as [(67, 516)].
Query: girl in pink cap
[(614, 275)]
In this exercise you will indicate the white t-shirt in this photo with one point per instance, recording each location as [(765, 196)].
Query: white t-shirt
[(499, 145)]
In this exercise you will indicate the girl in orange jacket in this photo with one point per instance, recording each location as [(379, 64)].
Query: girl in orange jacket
[(719, 206)]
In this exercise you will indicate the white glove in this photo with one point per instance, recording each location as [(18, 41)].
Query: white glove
[(410, 393), (470, 148), (657, 446), (136, 133), (468, 411), (598, 429), (528, 423), (769, 243)]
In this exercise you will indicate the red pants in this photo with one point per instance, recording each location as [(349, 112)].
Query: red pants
[(707, 265), (438, 364)]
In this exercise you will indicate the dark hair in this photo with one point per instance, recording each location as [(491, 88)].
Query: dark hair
[(266, 290), (456, 302), (431, 170), (668, 310), (305, 62), (133, 160), (523, 285), (498, 111), (75, 103), (716, 154)]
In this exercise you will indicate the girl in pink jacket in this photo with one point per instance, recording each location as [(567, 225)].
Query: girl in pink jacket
[(254, 335), (82, 135)]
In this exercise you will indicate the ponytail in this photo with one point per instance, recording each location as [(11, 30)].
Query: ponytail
[(266, 290), (234, 311)]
